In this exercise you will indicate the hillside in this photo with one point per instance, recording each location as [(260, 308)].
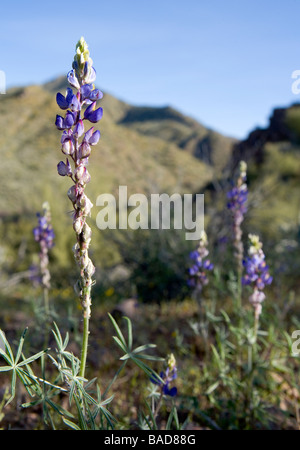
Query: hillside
[(168, 124), (148, 149), (273, 158)]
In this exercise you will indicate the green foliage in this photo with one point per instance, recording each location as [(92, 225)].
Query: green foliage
[(157, 260), (233, 373)]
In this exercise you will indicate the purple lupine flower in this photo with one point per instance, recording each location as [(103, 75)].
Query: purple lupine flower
[(44, 234), (257, 273), (198, 271), (167, 376), (237, 204), (80, 109), (64, 169)]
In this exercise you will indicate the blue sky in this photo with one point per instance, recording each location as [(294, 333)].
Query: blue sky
[(225, 63)]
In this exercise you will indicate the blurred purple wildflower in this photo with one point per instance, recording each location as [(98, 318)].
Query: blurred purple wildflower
[(44, 234), (167, 376), (237, 204), (198, 271), (81, 77), (257, 273)]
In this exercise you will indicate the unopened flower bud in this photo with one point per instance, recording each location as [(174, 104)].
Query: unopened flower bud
[(82, 175), (84, 259), (85, 204), (171, 361), (67, 147), (64, 169), (89, 269), (78, 225), (86, 232), (84, 150), (72, 194), (76, 251)]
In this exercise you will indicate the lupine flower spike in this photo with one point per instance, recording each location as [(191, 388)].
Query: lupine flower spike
[(257, 273), (237, 204), (44, 234), (81, 77), (198, 272), (167, 376)]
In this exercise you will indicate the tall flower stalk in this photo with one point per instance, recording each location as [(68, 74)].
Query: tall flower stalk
[(76, 145), (166, 378), (237, 204), (44, 234), (257, 275), (201, 265), (198, 271)]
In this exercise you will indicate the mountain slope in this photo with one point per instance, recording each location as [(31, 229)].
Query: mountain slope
[(30, 150), (168, 124), (273, 158)]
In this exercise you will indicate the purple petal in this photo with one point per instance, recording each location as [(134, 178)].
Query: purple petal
[(89, 110), (95, 116), (88, 134), (61, 101), (74, 105), (86, 90), (59, 122), (72, 79), (79, 128), (69, 120), (91, 76), (95, 95), (69, 95), (64, 169), (94, 138)]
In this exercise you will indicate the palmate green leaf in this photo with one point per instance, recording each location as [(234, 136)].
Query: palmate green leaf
[(71, 424), (62, 345), (31, 358), (81, 417), (120, 344), (151, 416), (8, 357), (129, 329), (5, 368), (145, 368), (173, 416), (17, 368), (100, 408), (118, 330), (135, 355), (109, 417), (141, 348), (20, 347)]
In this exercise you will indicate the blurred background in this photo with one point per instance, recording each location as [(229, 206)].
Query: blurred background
[(190, 89)]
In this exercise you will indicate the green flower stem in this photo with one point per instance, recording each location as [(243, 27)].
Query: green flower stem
[(85, 339), (86, 332)]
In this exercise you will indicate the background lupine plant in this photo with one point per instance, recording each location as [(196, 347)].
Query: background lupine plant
[(167, 377), (237, 204), (44, 234), (198, 271), (81, 77), (257, 273)]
